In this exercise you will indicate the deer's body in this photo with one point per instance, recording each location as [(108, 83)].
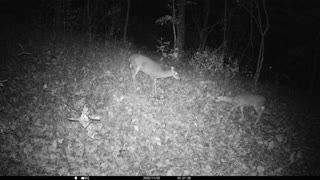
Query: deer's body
[(142, 63), (256, 101)]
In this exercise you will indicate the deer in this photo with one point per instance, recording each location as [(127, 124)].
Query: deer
[(139, 62), (256, 101)]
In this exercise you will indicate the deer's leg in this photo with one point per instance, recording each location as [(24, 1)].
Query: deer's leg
[(134, 73), (259, 115), (234, 107), (155, 87), (241, 107)]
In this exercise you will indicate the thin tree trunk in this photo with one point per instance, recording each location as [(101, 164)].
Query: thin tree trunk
[(174, 24), (87, 22), (204, 32), (225, 25), (263, 32), (58, 25), (181, 25), (126, 23)]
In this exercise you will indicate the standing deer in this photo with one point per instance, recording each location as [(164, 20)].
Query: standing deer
[(142, 63)]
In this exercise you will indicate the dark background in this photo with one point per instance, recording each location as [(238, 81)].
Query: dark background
[(291, 44)]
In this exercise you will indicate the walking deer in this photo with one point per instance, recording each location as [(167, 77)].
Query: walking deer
[(242, 100)]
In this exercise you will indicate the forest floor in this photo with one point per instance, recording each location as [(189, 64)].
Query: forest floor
[(70, 110)]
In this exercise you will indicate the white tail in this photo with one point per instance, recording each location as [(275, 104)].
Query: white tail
[(255, 101), (142, 63)]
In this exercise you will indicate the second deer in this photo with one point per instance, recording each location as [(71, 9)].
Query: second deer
[(256, 101), (142, 63)]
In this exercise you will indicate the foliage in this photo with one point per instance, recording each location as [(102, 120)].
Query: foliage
[(166, 51), (164, 20), (209, 62)]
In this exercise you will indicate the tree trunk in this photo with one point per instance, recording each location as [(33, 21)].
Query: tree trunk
[(87, 21), (181, 25), (225, 25), (204, 30), (263, 31), (126, 23), (58, 25), (174, 25)]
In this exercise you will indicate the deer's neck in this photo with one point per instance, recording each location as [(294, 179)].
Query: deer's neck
[(226, 99), (162, 74)]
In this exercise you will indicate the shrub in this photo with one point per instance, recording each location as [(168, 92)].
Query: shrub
[(209, 62)]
